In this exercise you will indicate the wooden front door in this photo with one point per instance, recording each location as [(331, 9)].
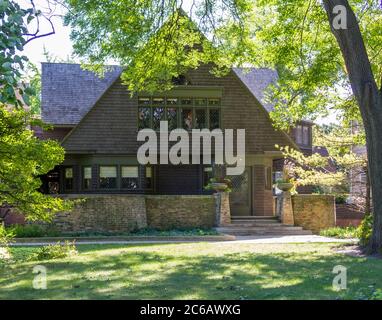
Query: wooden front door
[(240, 197)]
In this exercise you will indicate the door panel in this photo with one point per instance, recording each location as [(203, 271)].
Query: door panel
[(240, 197)]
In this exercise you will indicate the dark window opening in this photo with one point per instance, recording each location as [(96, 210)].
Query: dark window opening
[(87, 178), (187, 119), (144, 116), (180, 80), (68, 179), (108, 177), (214, 119), (200, 119), (129, 177)]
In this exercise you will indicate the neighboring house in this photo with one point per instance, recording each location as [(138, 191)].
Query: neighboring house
[(97, 120)]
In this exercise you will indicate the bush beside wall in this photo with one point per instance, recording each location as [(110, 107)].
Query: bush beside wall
[(314, 212)]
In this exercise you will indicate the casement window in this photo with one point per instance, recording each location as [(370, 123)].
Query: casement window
[(129, 177), (148, 177), (185, 113), (108, 177), (302, 135), (87, 178), (68, 179)]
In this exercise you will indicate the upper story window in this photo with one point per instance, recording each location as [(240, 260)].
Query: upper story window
[(303, 134), (186, 113)]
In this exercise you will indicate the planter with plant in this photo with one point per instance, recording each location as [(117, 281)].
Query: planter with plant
[(219, 183), (287, 182)]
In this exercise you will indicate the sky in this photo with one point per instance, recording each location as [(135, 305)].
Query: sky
[(59, 45)]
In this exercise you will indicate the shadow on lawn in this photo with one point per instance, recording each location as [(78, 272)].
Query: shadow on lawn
[(151, 275)]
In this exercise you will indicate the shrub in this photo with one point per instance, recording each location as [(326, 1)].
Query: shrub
[(54, 251), (5, 237), (33, 231), (341, 198), (341, 233), (365, 230)]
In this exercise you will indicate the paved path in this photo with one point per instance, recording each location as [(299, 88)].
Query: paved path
[(243, 239)]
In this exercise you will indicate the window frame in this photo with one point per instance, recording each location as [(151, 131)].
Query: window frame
[(139, 184), (83, 178), (65, 189), (179, 106), (116, 178)]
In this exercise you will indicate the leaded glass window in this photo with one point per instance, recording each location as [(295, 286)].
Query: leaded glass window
[(172, 118), (200, 118), (214, 119), (187, 119), (158, 116), (144, 116)]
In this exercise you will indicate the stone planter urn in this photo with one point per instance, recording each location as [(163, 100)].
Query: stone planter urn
[(219, 186), (285, 186)]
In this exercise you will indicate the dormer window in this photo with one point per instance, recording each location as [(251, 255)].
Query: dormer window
[(302, 135), (180, 80)]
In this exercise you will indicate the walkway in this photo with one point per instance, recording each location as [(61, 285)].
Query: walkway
[(243, 239)]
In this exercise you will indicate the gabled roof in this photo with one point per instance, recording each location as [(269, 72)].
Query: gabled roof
[(257, 81), (68, 92)]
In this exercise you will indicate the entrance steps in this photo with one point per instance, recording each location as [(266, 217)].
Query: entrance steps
[(260, 226)]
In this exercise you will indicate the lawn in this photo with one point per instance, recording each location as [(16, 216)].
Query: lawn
[(194, 271)]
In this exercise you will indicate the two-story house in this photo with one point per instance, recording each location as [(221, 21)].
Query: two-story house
[(97, 121)]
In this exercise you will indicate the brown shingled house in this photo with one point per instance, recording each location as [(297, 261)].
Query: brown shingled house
[(97, 120)]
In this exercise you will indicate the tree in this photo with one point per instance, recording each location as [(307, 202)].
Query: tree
[(319, 48), (332, 173), (23, 157)]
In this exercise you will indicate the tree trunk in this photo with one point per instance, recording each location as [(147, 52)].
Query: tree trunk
[(368, 208), (370, 103)]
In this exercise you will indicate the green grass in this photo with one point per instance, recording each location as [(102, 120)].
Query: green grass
[(193, 271)]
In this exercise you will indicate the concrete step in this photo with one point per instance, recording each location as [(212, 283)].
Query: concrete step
[(253, 217), (271, 233), (276, 229), (259, 228), (255, 222)]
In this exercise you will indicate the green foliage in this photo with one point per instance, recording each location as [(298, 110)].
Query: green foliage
[(5, 236), (341, 233), (34, 80), (33, 231), (54, 251), (365, 230), (23, 157), (155, 40), (341, 198)]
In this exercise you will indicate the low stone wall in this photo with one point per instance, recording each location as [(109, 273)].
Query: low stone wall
[(121, 213), (314, 212), (173, 211), (104, 213)]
